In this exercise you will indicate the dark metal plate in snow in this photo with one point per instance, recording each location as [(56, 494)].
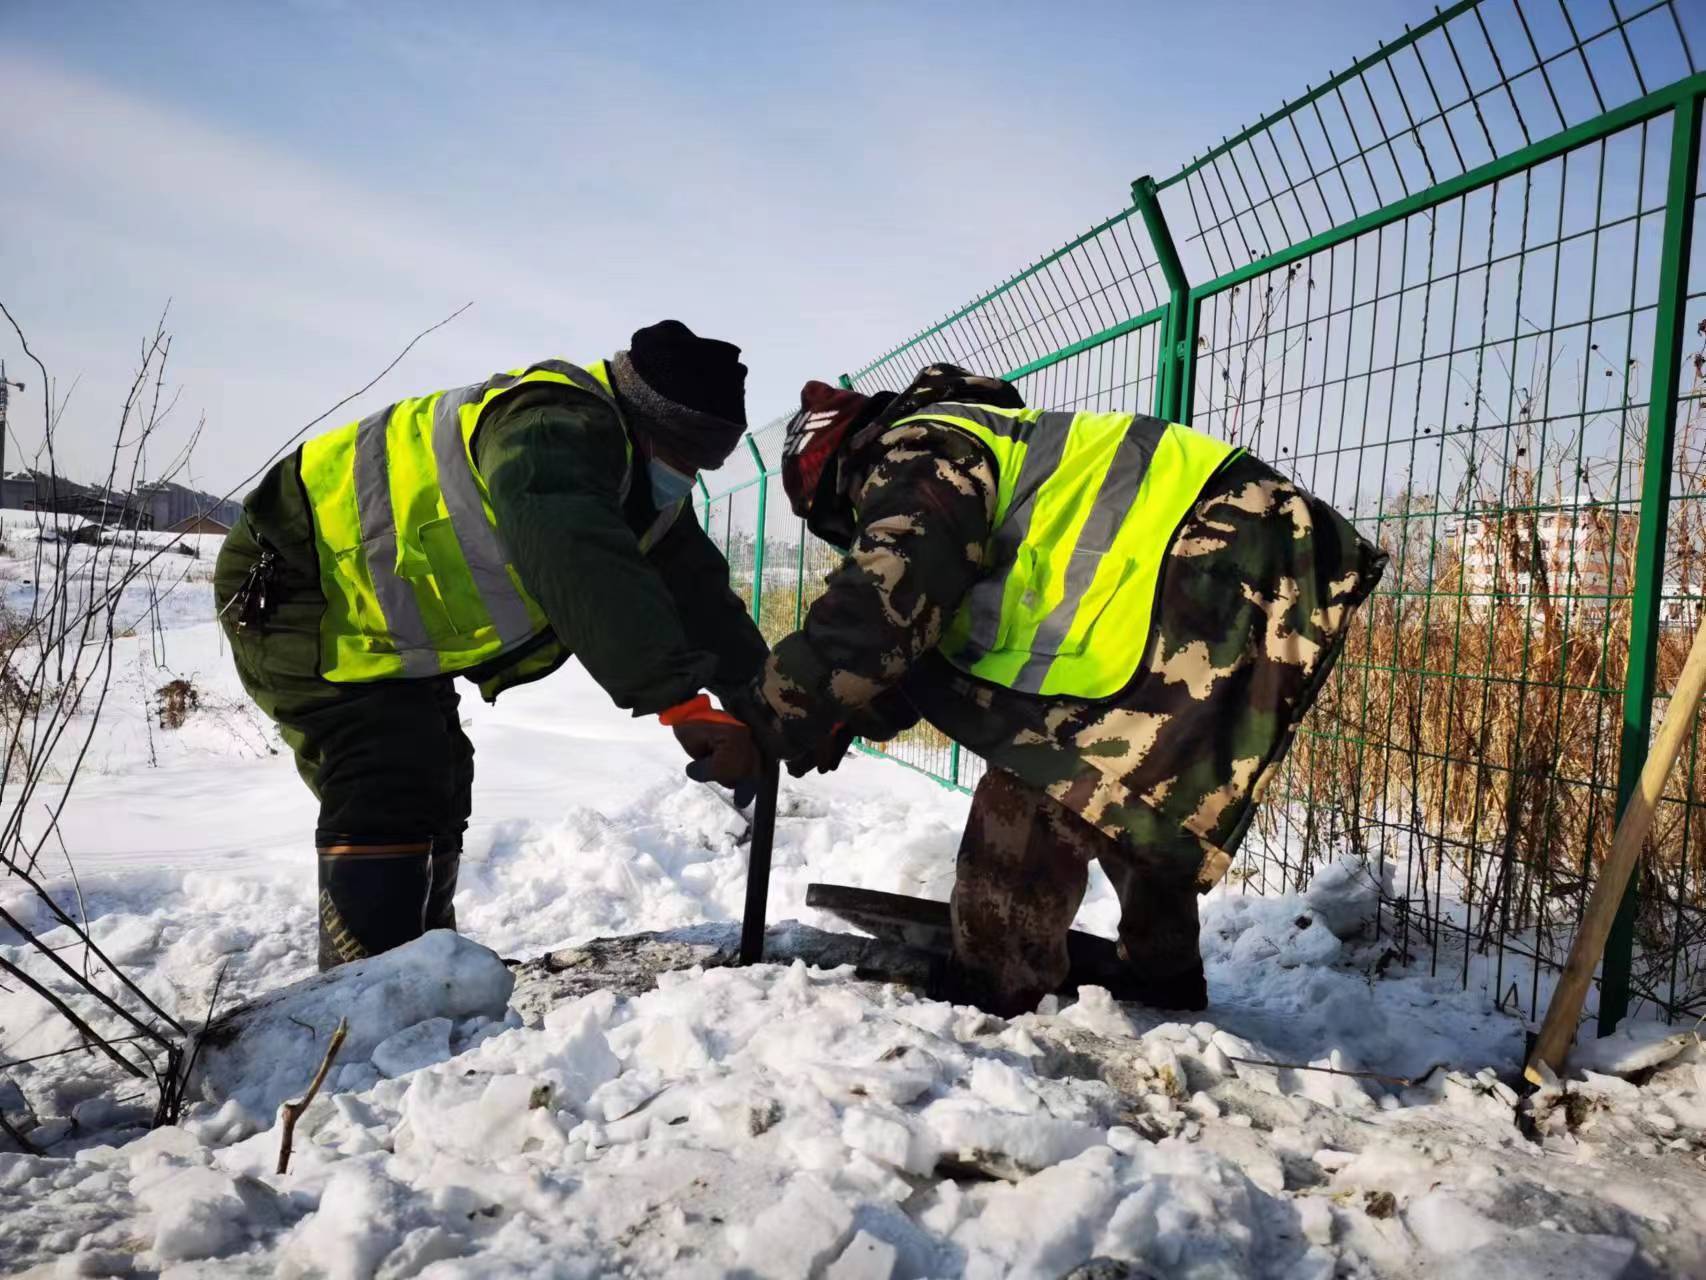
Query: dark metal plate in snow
[(923, 923)]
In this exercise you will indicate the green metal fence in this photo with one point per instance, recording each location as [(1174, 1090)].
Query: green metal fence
[(1454, 290)]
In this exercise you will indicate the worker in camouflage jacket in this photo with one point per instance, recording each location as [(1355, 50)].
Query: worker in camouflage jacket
[(1125, 618), (485, 533)]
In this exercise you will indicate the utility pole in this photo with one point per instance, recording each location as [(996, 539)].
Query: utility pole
[(5, 392)]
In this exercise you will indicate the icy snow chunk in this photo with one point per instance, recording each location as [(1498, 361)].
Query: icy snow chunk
[(1096, 1011), (1315, 1216), (197, 1214), (864, 1258), (1045, 1225), (164, 1146), (97, 1262), (888, 1139), (901, 1076), (1002, 1086), (267, 1051), (1634, 1046), (878, 1136), (1557, 1255), (358, 1223), (1443, 1224), (1344, 895), (128, 939), (671, 1047), (871, 1179), (582, 1061), (483, 1117), (355, 1077), (797, 1235), (419, 1250), (1008, 1146), (624, 1095), (412, 1048)]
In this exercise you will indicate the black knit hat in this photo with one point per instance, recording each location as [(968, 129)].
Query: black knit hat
[(687, 390), (700, 373)]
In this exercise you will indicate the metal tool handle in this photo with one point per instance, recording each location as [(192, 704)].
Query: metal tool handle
[(1558, 1032), (758, 865)]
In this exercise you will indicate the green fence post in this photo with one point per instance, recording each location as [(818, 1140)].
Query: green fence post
[(1668, 324), (758, 543), (705, 493), (1171, 389), (845, 381), (800, 580)]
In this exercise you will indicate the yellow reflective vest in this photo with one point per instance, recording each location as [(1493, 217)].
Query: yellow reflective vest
[(1086, 508), (415, 573)]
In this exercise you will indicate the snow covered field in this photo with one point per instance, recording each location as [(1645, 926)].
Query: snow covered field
[(776, 1121)]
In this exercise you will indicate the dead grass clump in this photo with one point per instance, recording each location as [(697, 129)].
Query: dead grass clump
[(178, 699)]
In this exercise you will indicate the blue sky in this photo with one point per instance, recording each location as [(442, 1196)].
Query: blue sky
[(311, 183)]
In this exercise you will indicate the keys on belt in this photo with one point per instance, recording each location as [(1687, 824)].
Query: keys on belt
[(256, 599)]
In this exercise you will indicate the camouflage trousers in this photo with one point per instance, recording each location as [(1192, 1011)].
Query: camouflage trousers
[(1024, 865), (1256, 595)]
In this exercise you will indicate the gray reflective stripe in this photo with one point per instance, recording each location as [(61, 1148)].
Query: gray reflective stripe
[(997, 423), (482, 548), (379, 548), (1045, 442), (1118, 491)]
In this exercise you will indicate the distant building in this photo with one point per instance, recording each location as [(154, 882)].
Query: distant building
[(199, 524), (18, 491), (170, 505), (1572, 556), (1564, 550), (159, 505)]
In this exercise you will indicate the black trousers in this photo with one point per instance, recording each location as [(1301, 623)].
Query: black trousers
[(388, 761)]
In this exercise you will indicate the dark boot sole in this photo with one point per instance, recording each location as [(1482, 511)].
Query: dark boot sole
[(927, 926)]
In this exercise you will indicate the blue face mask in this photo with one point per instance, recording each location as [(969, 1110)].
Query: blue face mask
[(669, 486)]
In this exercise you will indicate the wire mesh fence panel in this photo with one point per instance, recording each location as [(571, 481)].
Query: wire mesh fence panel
[(1439, 291), (1120, 374), (1465, 384), (1090, 291), (1476, 83)]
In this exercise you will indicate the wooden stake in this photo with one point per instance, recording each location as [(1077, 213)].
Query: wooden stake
[(1558, 1032), (292, 1111)]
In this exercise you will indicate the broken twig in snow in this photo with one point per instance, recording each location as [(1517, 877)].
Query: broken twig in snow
[(293, 1110), (1403, 1082)]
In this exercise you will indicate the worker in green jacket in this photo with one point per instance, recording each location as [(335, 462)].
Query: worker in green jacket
[(484, 533)]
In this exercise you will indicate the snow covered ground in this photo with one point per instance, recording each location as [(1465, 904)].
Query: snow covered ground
[(775, 1121)]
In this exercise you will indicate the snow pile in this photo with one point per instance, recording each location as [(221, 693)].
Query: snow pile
[(400, 1008), (780, 1121)]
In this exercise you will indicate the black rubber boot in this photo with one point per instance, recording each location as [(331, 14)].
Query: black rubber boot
[(441, 900), (1185, 989), (373, 895)]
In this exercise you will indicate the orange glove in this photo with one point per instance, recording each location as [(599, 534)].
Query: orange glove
[(697, 709), (721, 746)]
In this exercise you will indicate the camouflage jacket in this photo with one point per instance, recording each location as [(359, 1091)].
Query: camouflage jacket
[(1255, 598), (925, 497)]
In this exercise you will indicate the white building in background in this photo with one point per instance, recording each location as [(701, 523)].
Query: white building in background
[(1572, 554)]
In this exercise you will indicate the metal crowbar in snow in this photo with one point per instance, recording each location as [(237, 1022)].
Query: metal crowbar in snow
[(758, 865)]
